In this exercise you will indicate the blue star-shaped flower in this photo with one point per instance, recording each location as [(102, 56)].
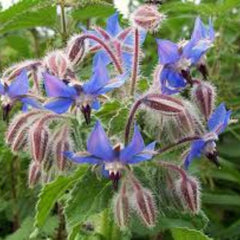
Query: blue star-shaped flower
[(17, 90), (217, 123), (113, 160), (177, 60), (83, 96)]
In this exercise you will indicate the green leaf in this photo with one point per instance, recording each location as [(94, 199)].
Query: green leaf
[(100, 10), (188, 234), (52, 192), (221, 199), (28, 14), (89, 197)]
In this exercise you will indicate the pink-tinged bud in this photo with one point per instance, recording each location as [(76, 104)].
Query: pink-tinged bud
[(57, 63), (76, 49), (122, 207), (147, 17), (34, 173), (15, 70), (143, 202), (39, 139), (61, 143), (203, 94), (167, 105), (187, 189), (19, 123)]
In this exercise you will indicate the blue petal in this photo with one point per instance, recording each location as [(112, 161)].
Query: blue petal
[(217, 118), (31, 101), (99, 145), (102, 56), (120, 80), (211, 30), (144, 155), (96, 105), (134, 147), (130, 38), (167, 52), (195, 152), (59, 105), (113, 26), (98, 80), (2, 90), (57, 88), (80, 159), (19, 86), (127, 59), (199, 31)]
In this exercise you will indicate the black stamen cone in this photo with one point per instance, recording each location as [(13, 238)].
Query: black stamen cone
[(213, 157), (115, 179), (86, 113), (5, 112), (202, 68), (186, 74)]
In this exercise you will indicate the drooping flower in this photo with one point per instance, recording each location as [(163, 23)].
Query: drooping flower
[(177, 59), (217, 123), (120, 40), (84, 97), (16, 91), (112, 159)]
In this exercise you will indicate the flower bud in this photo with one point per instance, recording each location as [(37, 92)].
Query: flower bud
[(76, 49), (20, 122), (167, 105), (144, 204), (187, 189), (34, 173), (39, 139), (121, 207), (61, 143), (147, 17), (203, 94), (57, 64)]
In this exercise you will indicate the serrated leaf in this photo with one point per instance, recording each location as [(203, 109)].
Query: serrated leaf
[(52, 192), (28, 14), (89, 196), (188, 234), (100, 10)]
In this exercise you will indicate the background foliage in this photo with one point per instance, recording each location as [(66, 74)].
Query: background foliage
[(29, 29)]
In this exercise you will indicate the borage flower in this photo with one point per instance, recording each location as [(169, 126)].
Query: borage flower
[(112, 159), (83, 97), (178, 58), (17, 91), (120, 40), (217, 123)]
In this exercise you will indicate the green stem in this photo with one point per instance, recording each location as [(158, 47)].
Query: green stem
[(64, 23)]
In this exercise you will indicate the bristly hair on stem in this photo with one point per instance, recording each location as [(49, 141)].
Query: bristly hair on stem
[(135, 61)]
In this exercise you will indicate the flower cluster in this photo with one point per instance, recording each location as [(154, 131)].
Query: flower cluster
[(56, 95)]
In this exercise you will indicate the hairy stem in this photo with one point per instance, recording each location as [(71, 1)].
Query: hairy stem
[(107, 49), (130, 119), (181, 141), (135, 62), (63, 19), (61, 230)]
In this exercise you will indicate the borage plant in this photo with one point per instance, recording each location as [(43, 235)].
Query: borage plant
[(70, 123)]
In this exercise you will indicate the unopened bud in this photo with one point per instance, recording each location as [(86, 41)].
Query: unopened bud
[(39, 139), (187, 189), (144, 204), (203, 94), (34, 173), (76, 49), (121, 207), (167, 105), (61, 143), (147, 17), (57, 63)]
